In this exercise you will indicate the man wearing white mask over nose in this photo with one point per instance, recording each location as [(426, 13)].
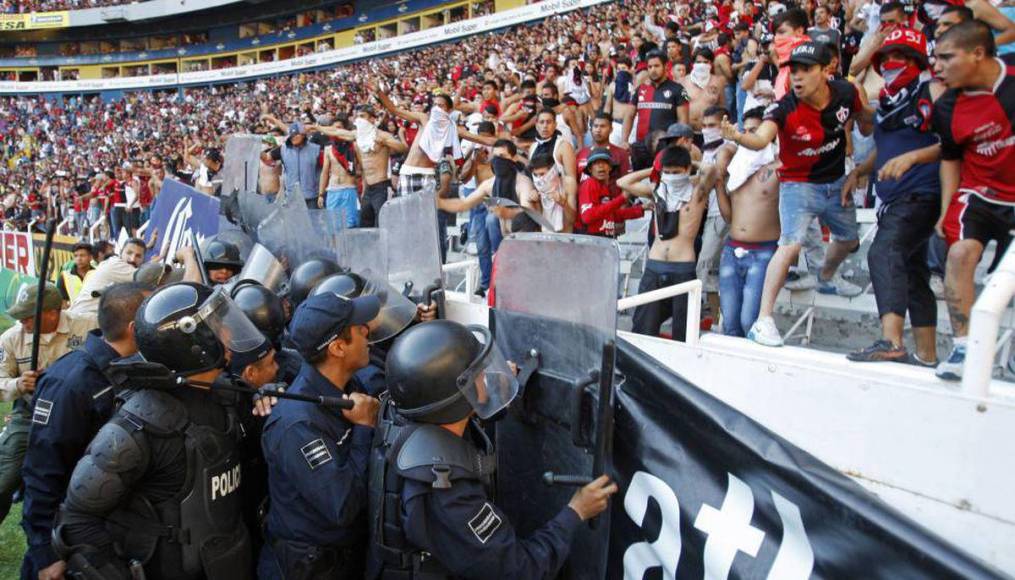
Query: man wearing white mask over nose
[(704, 90), (714, 233), (680, 201), (556, 198)]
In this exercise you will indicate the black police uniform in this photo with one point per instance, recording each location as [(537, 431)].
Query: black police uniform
[(317, 477), (437, 518), (289, 363), (159, 486), (73, 399)]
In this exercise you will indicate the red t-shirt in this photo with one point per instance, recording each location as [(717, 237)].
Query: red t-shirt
[(600, 208), (812, 143)]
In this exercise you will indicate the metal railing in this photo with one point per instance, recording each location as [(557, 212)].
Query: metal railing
[(693, 290), (471, 268), (95, 228), (984, 325)]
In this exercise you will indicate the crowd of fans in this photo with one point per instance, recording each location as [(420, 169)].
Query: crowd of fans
[(25, 6), (703, 114)]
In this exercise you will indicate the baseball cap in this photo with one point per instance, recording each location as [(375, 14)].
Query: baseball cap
[(810, 53), (24, 305), (321, 318), (677, 131)]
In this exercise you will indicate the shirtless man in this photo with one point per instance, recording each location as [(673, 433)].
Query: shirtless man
[(680, 201), (704, 89), (618, 101), (374, 148), (506, 181), (438, 132), (752, 210), (269, 172), (554, 195)]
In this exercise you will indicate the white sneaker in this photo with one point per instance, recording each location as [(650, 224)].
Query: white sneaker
[(765, 332), (796, 282), (838, 285), (950, 369)]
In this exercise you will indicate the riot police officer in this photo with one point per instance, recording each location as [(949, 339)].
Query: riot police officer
[(265, 310), (317, 459), (305, 276), (433, 514), (221, 261), (73, 399), (157, 493)]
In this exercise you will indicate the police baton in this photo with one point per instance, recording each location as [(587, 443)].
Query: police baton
[(199, 258), (41, 292), (273, 390)]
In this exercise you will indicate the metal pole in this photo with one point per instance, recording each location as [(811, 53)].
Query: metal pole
[(41, 292)]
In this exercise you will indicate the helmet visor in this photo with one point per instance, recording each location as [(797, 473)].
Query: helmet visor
[(264, 268), (229, 323), (488, 384), (396, 313)]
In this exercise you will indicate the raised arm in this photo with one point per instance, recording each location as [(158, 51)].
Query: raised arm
[(635, 183)]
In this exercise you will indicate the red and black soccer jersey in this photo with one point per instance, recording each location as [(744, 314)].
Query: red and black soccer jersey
[(657, 107), (812, 143), (976, 127)]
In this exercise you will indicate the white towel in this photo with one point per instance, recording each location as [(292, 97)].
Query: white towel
[(438, 134), (745, 163), (366, 135)]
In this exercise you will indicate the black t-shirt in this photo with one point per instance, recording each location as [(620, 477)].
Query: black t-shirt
[(657, 106)]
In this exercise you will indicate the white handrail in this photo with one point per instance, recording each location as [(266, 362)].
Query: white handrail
[(984, 325), (471, 267), (63, 224), (95, 226), (693, 290)]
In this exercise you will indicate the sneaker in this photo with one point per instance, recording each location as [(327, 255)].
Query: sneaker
[(950, 369), (915, 360), (765, 332), (481, 292), (937, 286), (795, 282), (838, 285), (881, 350)]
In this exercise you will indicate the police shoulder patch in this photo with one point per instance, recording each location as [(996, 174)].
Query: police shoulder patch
[(43, 409), (316, 453), (485, 523)]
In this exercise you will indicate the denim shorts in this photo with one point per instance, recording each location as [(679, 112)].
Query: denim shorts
[(800, 203)]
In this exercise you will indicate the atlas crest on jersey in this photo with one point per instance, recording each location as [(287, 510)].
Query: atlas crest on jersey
[(842, 115)]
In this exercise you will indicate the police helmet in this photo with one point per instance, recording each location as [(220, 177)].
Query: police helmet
[(307, 275), (397, 312), (187, 327), (222, 254), (263, 307), (440, 372)]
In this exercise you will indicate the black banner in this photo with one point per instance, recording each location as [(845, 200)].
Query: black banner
[(709, 493)]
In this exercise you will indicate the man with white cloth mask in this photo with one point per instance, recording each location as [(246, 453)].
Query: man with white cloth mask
[(438, 133), (749, 202)]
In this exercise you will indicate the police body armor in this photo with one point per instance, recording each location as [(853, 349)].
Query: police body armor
[(420, 452), (199, 532)]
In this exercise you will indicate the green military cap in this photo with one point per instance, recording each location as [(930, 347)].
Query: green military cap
[(24, 305)]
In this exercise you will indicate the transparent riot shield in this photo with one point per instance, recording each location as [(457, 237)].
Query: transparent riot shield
[(556, 296), (364, 251), (240, 166), (289, 232), (327, 223), (414, 255), (263, 267), (234, 236)]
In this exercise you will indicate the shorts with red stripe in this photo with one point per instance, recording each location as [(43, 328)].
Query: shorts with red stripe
[(970, 217)]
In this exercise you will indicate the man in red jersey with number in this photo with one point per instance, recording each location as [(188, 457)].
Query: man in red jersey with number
[(974, 119)]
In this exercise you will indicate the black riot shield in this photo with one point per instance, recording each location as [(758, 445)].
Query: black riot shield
[(414, 254), (556, 302)]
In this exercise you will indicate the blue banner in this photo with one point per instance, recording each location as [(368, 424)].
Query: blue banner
[(178, 211)]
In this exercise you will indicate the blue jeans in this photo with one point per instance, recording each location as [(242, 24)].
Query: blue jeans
[(800, 203), (741, 101), (740, 283), (484, 228)]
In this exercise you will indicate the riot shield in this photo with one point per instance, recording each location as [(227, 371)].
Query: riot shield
[(289, 232), (240, 166), (534, 215), (327, 223), (414, 254), (364, 251), (263, 267), (557, 296)]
